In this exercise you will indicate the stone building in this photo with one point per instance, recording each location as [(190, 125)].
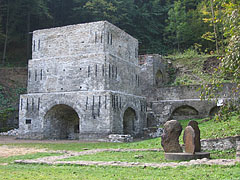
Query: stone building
[(83, 83), (86, 81)]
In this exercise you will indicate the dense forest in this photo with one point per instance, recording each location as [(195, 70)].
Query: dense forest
[(161, 26)]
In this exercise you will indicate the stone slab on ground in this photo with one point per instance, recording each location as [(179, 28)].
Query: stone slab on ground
[(186, 156)]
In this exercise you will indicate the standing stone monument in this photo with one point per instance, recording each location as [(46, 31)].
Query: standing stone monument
[(189, 140), (170, 136), (83, 83), (197, 142), (171, 146)]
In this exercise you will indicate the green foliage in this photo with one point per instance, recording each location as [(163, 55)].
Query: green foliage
[(177, 24), (228, 154), (189, 53), (219, 129), (160, 26), (8, 105), (230, 62)]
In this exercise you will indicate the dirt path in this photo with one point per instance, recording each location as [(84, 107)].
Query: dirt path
[(13, 140), (7, 151)]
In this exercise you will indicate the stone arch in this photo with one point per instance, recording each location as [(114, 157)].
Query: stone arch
[(129, 121), (159, 78), (214, 110), (61, 122), (184, 112)]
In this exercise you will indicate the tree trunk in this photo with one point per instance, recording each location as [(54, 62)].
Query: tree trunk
[(28, 34), (6, 36), (214, 26)]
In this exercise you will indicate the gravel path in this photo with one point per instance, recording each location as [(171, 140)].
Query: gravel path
[(56, 160)]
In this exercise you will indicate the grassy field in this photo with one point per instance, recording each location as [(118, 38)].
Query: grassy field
[(209, 129), (45, 172), (11, 171), (144, 157)]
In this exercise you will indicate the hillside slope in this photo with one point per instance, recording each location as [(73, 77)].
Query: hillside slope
[(13, 82), (194, 69)]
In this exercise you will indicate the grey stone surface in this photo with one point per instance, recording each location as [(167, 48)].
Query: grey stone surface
[(85, 81), (220, 144), (120, 138), (170, 137), (186, 156), (82, 84)]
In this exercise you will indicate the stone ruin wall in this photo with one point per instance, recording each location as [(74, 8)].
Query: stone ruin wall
[(93, 68), (90, 69), (174, 102)]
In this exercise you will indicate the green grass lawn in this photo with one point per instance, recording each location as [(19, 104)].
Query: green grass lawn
[(144, 157), (209, 129), (80, 146), (45, 172)]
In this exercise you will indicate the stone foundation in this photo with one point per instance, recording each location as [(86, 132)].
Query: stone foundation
[(120, 138), (220, 144)]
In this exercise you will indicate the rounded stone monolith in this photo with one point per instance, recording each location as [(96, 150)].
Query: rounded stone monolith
[(194, 125), (188, 139), (170, 136)]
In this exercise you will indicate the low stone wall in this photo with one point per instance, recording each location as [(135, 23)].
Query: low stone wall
[(220, 144), (152, 132), (120, 138)]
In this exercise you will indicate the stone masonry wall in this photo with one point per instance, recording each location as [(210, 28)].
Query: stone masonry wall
[(100, 113), (82, 83), (84, 39)]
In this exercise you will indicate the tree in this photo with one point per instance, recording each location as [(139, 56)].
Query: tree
[(177, 24), (6, 34), (229, 68), (17, 20)]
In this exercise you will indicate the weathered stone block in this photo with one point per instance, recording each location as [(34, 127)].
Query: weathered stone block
[(82, 84), (170, 137), (189, 140)]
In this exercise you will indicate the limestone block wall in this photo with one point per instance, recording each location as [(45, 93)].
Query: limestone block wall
[(182, 109), (83, 82), (83, 73), (65, 74), (129, 114), (84, 39), (188, 92), (97, 114), (153, 73)]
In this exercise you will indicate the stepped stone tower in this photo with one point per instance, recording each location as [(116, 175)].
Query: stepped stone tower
[(83, 83)]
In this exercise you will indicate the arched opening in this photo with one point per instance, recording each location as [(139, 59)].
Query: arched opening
[(129, 119), (61, 122), (184, 112), (214, 111), (159, 78)]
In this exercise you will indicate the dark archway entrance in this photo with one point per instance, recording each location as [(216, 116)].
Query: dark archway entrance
[(61, 122), (184, 112), (159, 78), (214, 111), (129, 119)]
